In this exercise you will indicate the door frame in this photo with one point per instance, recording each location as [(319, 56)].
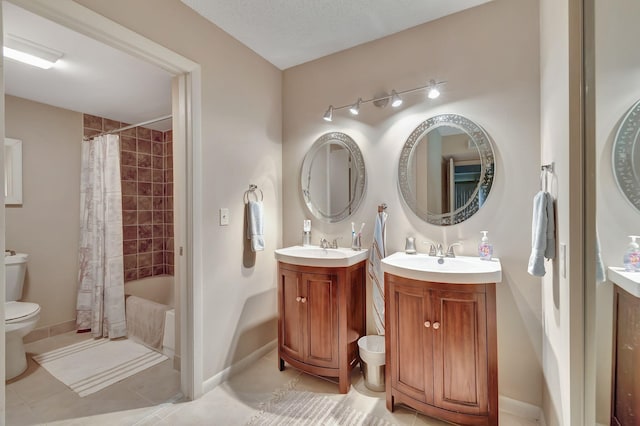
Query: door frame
[(186, 111)]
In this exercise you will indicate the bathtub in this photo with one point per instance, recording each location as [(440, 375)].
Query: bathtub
[(158, 289)]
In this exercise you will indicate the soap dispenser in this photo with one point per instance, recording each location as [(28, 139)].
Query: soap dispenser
[(632, 256), (485, 249), (306, 232)]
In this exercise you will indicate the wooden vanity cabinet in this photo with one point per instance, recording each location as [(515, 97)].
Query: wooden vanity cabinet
[(441, 349), (625, 389), (321, 316)]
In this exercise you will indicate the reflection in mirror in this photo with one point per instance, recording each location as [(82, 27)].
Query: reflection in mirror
[(333, 177), (12, 171), (446, 169), (626, 156)]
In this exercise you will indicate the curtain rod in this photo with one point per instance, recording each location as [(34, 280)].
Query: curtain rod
[(144, 123)]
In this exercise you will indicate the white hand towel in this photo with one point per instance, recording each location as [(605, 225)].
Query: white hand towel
[(255, 225), (377, 253), (542, 233)]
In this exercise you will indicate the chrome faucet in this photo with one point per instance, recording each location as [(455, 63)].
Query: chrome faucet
[(325, 244), (450, 252), (434, 249), (437, 250)]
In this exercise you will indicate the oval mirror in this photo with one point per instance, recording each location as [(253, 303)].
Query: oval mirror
[(626, 156), (333, 177), (446, 169)]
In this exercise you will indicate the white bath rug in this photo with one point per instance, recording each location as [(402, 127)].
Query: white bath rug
[(291, 407), (94, 364)]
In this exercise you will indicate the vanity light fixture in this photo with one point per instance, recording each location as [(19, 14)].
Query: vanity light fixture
[(28, 52), (395, 97)]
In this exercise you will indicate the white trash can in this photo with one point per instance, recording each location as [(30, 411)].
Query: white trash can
[(372, 356)]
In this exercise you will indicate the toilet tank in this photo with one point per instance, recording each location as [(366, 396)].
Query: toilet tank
[(15, 269)]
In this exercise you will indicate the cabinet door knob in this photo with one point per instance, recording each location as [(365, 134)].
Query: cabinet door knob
[(427, 324), (436, 325), (304, 300), (298, 299)]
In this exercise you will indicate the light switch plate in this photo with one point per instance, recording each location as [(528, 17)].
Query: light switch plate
[(224, 217)]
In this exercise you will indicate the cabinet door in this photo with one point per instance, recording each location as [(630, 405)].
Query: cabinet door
[(410, 341), (460, 351), (292, 319), (321, 302), (626, 359)]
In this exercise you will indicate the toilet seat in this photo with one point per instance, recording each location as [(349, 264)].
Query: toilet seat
[(19, 311)]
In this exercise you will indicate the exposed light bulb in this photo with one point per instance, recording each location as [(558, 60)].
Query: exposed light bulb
[(433, 90), (433, 93)]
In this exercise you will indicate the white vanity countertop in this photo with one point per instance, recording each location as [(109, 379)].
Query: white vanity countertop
[(457, 270), (316, 256), (628, 281)]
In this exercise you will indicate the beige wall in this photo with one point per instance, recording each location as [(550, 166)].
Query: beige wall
[(554, 127), (241, 144), (617, 89), (46, 224), (489, 56), (562, 145)]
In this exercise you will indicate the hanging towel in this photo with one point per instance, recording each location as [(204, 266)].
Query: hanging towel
[(543, 241), (145, 321), (255, 225), (550, 248), (376, 255)]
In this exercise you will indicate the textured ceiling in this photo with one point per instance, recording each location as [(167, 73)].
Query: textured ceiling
[(291, 32), (97, 79), (91, 77)]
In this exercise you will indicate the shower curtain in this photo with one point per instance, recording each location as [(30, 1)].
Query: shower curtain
[(100, 305)]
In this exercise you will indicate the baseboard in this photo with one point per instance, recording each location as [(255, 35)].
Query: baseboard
[(521, 409), (241, 365), (49, 331)]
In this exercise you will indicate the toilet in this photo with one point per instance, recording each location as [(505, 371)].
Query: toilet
[(19, 317)]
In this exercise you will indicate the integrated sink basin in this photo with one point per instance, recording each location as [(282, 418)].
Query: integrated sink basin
[(316, 256), (628, 281), (455, 270)]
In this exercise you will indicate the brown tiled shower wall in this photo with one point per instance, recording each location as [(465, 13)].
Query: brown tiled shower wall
[(146, 168)]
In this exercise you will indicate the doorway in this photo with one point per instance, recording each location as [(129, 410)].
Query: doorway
[(186, 116)]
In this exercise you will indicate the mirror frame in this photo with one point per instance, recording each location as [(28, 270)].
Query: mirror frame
[(622, 156), (357, 162), (487, 166), (13, 171)]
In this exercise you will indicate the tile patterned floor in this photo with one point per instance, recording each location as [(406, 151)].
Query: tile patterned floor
[(151, 397)]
